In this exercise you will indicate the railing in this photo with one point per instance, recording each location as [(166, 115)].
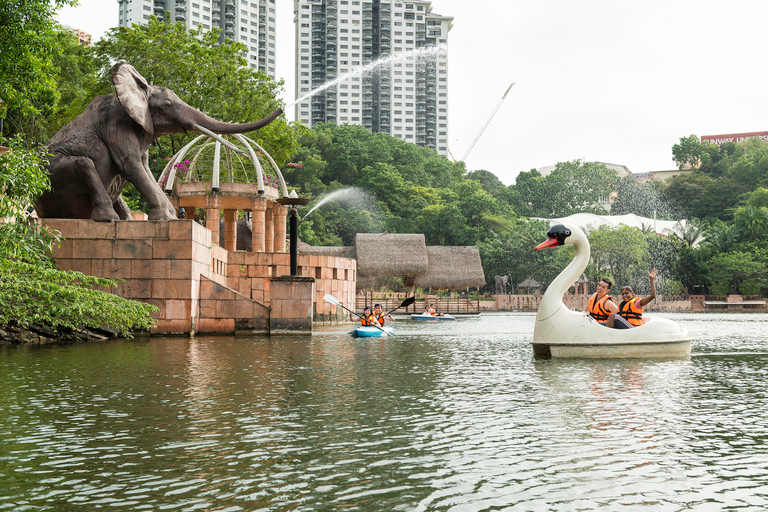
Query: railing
[(441, 305)]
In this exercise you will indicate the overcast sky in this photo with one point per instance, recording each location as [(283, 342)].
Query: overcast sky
[(603, 80)]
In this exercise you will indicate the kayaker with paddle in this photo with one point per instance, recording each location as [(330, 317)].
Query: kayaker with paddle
[(379, 316), (368, 319)]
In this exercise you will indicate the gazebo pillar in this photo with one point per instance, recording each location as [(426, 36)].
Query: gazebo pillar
[(230, 230), (281, 212), (258, 212), (269, 229), (212, 218)]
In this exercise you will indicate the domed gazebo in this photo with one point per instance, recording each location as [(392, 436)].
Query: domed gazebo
[(240, 175)]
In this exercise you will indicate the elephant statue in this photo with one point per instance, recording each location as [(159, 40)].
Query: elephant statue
[(501, 284), (106, 146)]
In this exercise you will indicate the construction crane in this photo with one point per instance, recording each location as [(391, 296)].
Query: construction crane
[(464, 158)]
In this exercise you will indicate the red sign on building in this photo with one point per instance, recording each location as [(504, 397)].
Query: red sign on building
[(733, 137)]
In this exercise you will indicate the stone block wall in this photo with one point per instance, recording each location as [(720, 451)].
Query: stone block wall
[(249, 273), (292, 305), (197, 285), (223, 310), (160, 263)]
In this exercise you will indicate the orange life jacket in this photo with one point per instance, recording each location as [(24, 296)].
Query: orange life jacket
[(367, 321), (596, 307), (631, 312), (380, 318)]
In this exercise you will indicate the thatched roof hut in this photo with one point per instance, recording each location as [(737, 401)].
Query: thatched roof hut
[(452, 268), (529, 283), (385, 254), (407, 255)]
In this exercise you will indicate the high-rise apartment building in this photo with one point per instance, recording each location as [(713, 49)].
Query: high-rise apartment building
[(251, 22), (406, 96)]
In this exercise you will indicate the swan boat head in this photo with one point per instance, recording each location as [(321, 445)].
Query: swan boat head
[(572, 332)]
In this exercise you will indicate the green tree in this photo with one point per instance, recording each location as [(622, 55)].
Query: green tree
[(621, 252), (751, 222), (29, 75), (758, 198), (22, 179), (690, 233), (511, 252), (730, 270), (722, 237), (697, 195), (692, 153), (573, 187)]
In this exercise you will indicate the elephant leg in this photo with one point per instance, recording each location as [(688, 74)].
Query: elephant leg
[(122, 209), (168, 206), (76, 176)]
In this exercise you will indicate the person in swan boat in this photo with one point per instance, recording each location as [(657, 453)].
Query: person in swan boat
[(631, 307), (600, 305)]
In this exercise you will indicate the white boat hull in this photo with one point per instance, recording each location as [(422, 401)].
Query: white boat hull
[(573, 334), (426, 317)]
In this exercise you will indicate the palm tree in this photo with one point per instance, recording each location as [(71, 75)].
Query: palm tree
[(751, 222), (722, 237), (690, 232)]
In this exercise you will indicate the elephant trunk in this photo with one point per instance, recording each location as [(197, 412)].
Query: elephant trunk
[(199, 120)]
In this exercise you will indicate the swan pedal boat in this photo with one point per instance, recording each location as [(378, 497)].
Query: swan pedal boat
[(431, 318), (371, 332), (561, 332)]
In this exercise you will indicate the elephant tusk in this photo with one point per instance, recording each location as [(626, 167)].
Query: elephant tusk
[(209, 133)]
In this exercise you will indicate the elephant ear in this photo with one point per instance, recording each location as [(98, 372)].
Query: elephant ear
[(133, 92)]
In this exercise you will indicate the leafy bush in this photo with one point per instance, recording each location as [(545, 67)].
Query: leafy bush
[(720, 288), (749, 288), (65, 299)]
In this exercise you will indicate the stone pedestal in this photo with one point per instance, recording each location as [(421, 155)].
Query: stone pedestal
[(291, 305)]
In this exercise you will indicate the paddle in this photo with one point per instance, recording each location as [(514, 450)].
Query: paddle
[(407, 302), (330, 298)]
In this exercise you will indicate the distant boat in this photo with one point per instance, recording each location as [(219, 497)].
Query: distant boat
[(427, 317)]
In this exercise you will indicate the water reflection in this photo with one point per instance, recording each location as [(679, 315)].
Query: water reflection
[(441, 417)]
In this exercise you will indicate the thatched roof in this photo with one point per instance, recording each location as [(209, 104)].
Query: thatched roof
[(529, 283), (452, 268), (384, 254), (407, 255), (319, 250)]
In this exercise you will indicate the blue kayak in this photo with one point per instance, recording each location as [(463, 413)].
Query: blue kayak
[(372, 332)]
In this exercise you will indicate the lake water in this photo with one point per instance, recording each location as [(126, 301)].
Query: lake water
[(449, 416)]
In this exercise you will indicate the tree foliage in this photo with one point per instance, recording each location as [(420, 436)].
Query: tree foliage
[(28, 84), (36, 295), (573, 187)]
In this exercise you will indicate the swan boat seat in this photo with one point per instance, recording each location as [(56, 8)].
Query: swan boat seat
[(561, 332)]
